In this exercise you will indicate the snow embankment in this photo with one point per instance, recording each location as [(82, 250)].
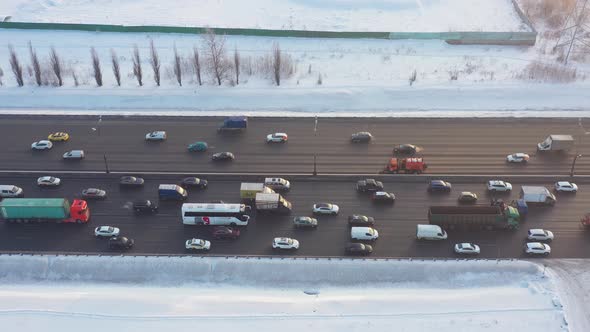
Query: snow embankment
[(325, 15)]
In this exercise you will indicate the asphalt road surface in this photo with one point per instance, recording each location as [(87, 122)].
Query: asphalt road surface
[(165, 234), (451, 146)]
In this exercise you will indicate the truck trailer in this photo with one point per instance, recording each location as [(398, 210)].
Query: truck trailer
[(474, 217), (274, 203), (56, 210), (537, 195), (556, 143), (248, 190)]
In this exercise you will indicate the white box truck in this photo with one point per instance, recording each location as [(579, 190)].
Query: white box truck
[(249, 190), (274, 203), (556, 143), (537, 195)]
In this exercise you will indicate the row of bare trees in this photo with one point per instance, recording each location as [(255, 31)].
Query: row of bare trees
[(215, 62)]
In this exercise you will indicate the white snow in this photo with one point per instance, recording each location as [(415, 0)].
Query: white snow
[(330, 15), (359, 78), (69, 293)]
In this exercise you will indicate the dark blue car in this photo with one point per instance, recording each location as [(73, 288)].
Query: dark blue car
[(439, 186)]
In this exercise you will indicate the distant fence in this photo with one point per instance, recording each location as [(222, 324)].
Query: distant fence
[(465, 37)]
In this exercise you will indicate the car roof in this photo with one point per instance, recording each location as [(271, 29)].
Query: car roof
[(363, 133), (536, 231), (564, 183), (467, 193), (381, 193), (496, 182), (438, 182), (535, 245), (323, 205), (355, 245), (282, 239)]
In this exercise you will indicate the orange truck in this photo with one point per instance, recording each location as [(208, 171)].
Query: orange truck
[(405, 165)]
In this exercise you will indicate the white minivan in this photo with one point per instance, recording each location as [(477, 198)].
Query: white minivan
[(9, 191), (74, 154), (364, 233), (430, 232)]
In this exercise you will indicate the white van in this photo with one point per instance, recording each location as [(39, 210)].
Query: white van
[(430, 232), (364, 233), (74, 154), (277, 184), (9, 191)]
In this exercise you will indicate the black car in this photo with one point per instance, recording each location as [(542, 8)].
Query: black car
[(406, 149), (358, 249), (223, 232), (145, 207), (223, 156), (120, 243), (369, 185), (360, 220), (383, 197), (361, 137), (131, 181), (94, 193), (439, 186), (192, 182)]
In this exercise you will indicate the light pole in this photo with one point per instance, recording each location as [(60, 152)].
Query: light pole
[(106, 164), (315, 132), (574, 164)]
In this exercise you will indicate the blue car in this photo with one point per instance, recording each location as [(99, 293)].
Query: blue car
[(198, 147), (439, 186)]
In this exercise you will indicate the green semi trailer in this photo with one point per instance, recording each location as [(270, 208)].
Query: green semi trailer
[(58, 210), (474, 217)]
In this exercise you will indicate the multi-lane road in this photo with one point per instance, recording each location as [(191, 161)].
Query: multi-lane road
[(164, 233), (451, 146)]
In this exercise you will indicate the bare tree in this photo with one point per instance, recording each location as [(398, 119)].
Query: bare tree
[(197, 65), (1, 75), (155, 62), (17, 68), (177, 68), (96, 66), (237, 64), (137, 72), (216, 57), (55, 62), (412, 78), (75, 77), (36, 65), (276, 63), (116, 68)]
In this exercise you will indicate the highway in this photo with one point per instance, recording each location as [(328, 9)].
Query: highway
[(165, 234), (451, 146)]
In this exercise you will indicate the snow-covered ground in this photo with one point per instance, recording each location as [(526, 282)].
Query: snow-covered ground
[(359, 78), (66, 293), (330, 15)]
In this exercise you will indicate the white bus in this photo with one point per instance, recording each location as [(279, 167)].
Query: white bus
[(215, 214)]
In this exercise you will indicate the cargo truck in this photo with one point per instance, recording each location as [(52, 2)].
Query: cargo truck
[(234, 123), (474, 217), (556, 143), (56, 210), (405, 165), (249, 190), (537, 195), (273, 203)]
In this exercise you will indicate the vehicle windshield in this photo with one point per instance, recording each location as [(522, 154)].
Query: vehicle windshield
[(289, 241), (13, 190), (51, 179), (546, 143)]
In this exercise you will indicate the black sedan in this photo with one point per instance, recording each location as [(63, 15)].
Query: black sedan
[(360, 220), (120, 243), (94, 193), (358, 249), (192, 182), (223, 156), (406, 149), (131, 181), (361, 137)]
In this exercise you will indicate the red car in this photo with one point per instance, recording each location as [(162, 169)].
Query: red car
[(222, 232)]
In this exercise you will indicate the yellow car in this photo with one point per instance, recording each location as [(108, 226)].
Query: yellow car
[(59, 136)]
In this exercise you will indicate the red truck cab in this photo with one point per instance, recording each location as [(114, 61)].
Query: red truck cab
[(79, 211), (406, 165)]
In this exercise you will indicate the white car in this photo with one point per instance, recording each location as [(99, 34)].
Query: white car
[(498, 185), (48, 181), (518, 158), (537, 248), (74, 154), (277, 138), (537, 234), (197, 244), (155, 136), (106, 231), (565, 186), (467, 249), (326, 208), (42, 145), (285, 243)]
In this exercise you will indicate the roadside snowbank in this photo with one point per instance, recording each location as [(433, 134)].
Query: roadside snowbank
[(334, 15)]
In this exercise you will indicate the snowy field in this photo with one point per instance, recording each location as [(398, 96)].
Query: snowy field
[(358, 78), (67, 293), (327, 15)]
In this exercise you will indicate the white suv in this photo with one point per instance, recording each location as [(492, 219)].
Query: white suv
[(537, 248), (498, 185), (537, 234), (155, 136)]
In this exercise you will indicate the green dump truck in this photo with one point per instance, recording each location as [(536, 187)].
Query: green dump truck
[(474, 217), (57, 210)]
